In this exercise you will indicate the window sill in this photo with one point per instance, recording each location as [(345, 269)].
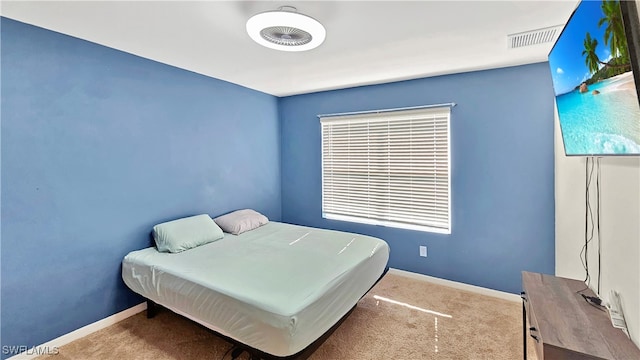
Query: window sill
[(355, 219)]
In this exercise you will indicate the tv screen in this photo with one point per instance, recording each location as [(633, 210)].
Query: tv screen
[(595, 71)]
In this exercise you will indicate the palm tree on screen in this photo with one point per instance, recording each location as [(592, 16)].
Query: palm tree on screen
[(591, 59), (614, 35)]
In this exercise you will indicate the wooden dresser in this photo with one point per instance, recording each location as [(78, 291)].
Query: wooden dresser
[(564, 326)]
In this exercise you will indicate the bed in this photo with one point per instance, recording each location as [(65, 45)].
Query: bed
[(276, 289)]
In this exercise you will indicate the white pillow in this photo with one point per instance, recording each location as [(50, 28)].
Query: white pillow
[(240, 221), (186, 233)]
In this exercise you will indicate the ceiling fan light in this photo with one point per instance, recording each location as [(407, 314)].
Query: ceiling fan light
[(286, 30)]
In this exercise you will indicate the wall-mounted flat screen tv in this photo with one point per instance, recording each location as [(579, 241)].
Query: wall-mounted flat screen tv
[(596, 77)]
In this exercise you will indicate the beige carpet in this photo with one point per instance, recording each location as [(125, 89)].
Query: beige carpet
[(439, 323)]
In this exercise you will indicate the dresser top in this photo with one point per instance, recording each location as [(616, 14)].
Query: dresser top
[(565, 319)]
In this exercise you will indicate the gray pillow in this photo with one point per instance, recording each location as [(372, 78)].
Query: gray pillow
[(186, 233), (240, 221)]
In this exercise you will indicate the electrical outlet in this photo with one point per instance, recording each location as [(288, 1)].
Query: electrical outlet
[(615, 312), (423, 251)]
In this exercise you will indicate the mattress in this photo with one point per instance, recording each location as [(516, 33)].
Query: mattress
[(276, 288)]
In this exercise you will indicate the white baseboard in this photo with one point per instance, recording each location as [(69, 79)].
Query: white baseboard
[(457, 285), (52, 346)]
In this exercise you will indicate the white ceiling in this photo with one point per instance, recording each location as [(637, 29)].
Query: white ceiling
[(367, 42)]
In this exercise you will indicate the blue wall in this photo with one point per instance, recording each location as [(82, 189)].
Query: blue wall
[(502, 172), (97, 147)]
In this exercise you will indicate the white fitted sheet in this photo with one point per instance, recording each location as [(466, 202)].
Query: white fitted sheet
[(277, 288)]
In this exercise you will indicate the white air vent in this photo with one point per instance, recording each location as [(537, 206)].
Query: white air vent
[(533, 37)]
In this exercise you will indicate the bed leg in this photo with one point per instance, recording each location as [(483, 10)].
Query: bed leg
[(152, 309)]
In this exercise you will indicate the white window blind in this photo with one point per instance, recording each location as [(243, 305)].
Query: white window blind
[(390, 168)]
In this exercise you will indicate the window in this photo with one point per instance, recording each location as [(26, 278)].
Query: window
[(388, 168)]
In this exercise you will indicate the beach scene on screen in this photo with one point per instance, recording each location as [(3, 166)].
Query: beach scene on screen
[(594, 84)]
